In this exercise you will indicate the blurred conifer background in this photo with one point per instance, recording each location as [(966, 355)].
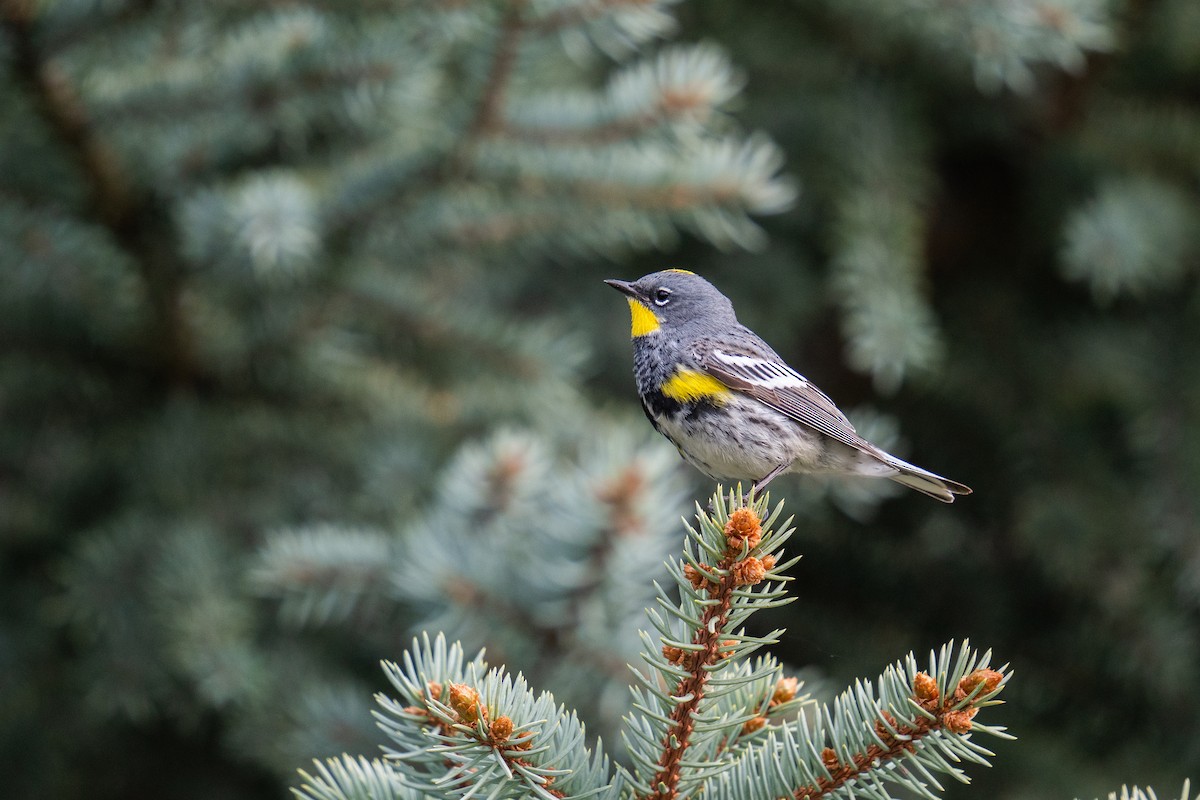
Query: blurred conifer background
[(303, 347)]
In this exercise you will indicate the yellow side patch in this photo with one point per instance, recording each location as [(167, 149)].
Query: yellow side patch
[(680, 271), (687, 386), (643, 321)]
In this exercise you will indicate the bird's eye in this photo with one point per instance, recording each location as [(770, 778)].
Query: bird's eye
[(662, 297)]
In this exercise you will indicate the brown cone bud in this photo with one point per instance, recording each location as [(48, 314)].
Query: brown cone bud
[(754, 724), (743, 529), (675, 655), (785, 690), (959, 721), (465, 702), (989, 679), (748, 572), (501, 728), (696, 578), (925, 688)]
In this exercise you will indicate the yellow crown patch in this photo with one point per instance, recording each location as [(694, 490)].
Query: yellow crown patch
[(680, 271)]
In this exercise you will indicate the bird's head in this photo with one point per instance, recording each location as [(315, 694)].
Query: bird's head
[(673, 299)]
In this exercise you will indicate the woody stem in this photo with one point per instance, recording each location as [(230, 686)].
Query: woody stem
[(708, 637)]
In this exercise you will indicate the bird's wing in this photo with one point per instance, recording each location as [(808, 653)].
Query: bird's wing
[(774, 383)]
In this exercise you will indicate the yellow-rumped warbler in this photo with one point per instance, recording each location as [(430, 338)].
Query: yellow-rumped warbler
[(730, 404)]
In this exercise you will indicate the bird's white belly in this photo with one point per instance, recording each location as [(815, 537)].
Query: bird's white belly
[(745, 443)]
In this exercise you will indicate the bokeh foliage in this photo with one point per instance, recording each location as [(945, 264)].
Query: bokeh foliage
[(280, 275)]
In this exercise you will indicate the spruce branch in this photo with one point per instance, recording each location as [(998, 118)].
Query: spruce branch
[(262, 94), (1148, 793), (650, 18), (463, 731), (904, 729), (706, 718), (324, 573), (1135, 235), (878, 235), (1003, 44), (350, 778), (636, 190), (952, 712), (519, 350), (580, 12), (618, 496), (708, 648), (627, 165), (112, 201), (490, 103), (728, 554), (61, 109), (714, 174), (679, 86)]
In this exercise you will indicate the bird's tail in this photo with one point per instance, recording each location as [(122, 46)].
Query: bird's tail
[(924, 481)]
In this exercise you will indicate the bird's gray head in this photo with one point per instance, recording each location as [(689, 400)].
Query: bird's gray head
[(673, 299)]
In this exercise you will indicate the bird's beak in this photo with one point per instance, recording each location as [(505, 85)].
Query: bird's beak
[(624, 287)]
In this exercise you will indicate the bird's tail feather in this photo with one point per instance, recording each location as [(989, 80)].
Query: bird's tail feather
[(924, 481)]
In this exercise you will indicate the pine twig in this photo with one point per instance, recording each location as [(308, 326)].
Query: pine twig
[(951, 713), (736, 568), (470, 719)]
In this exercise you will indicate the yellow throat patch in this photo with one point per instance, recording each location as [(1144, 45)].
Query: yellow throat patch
[(688, 386), (643, 321)]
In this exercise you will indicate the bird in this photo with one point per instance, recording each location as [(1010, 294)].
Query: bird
[(731, 405)]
